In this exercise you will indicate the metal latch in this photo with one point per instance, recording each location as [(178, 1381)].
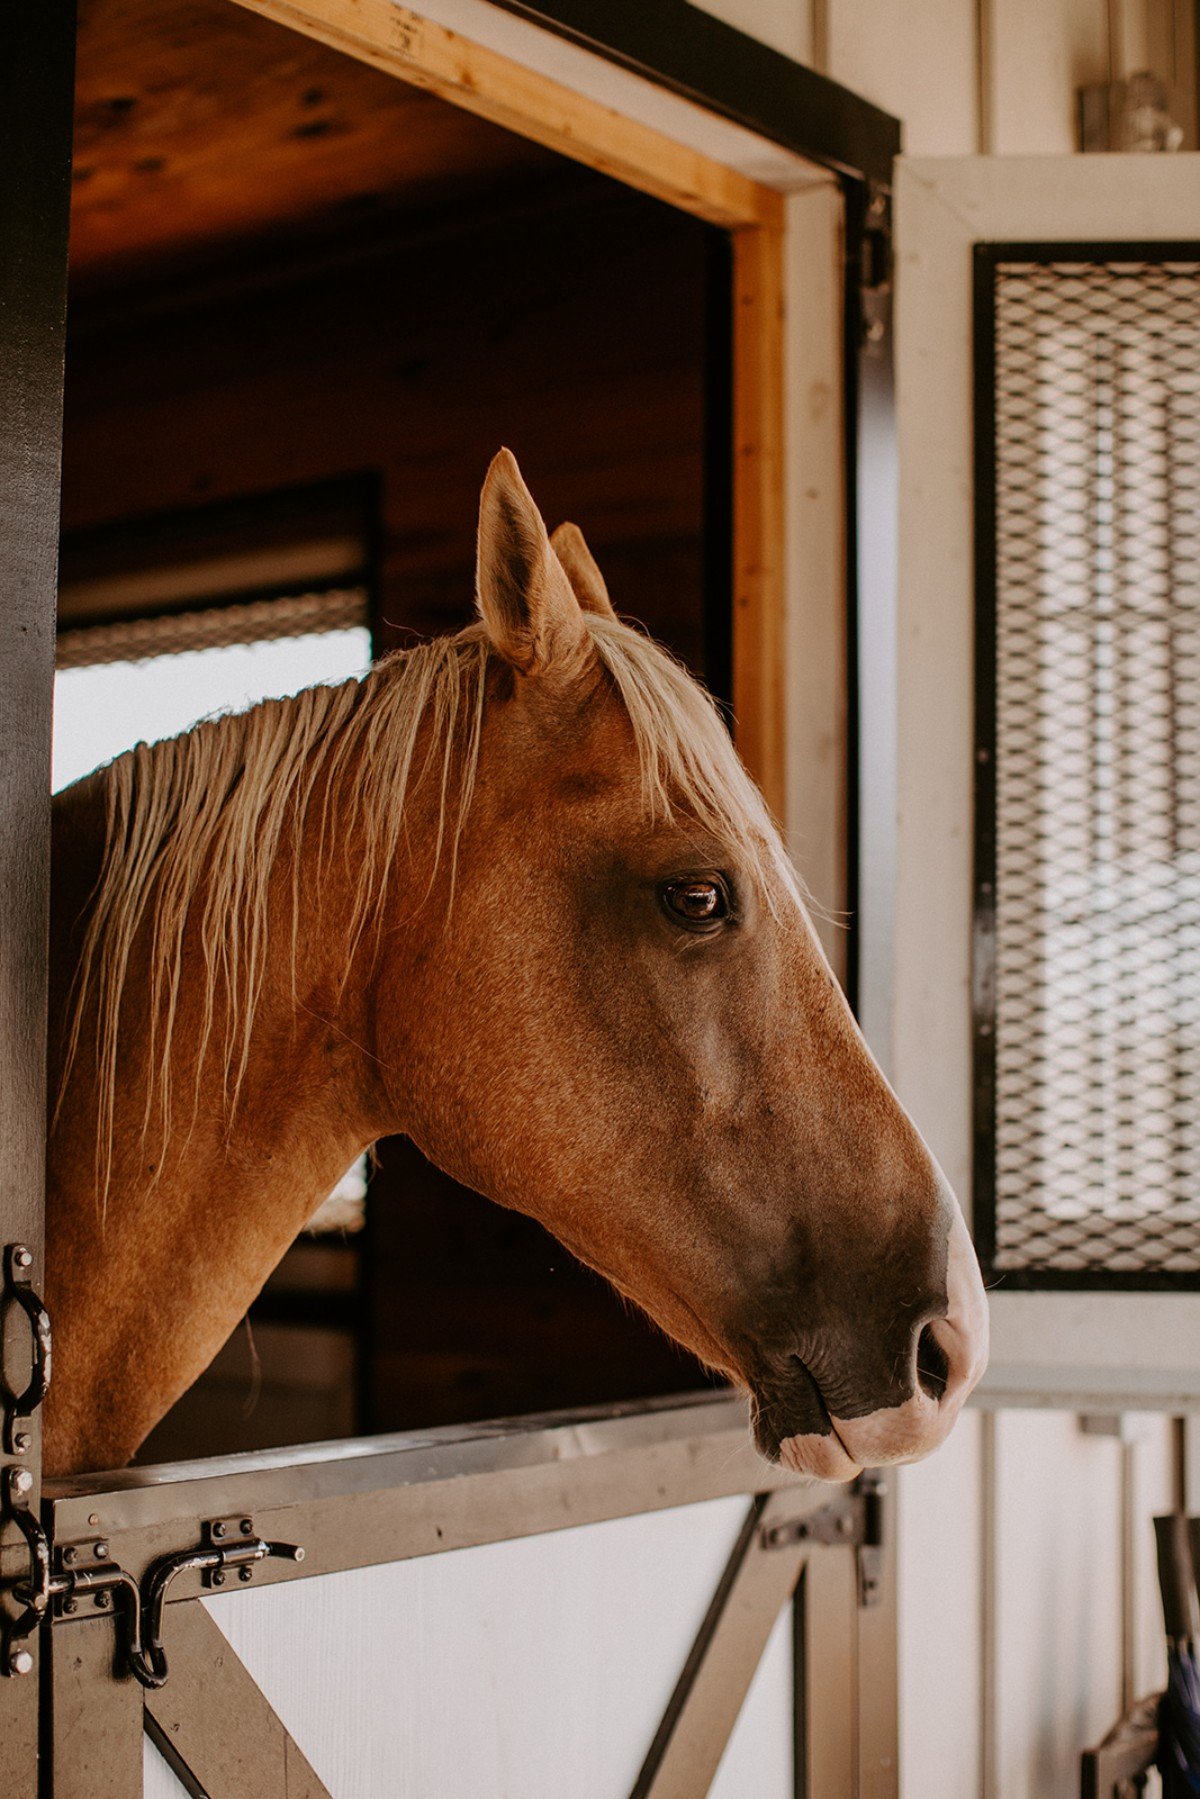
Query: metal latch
[(854, 1520), (85, 1571)]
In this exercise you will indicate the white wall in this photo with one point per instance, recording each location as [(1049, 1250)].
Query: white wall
[(971, 76)]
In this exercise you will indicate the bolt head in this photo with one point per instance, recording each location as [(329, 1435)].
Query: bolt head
[(299, 1553), (103, 1601), (218, 1577), (70, 1556), (100, 1551), (70, 1605), (218, 1529), (22, 1257), (245, 1573), (22, 1442), (21, 1662), (22, 1480), (247, 1527)]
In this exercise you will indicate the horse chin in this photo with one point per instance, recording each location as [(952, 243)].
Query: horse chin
[(820, 1457)]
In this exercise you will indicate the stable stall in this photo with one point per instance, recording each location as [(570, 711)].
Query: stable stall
[(316, 279)]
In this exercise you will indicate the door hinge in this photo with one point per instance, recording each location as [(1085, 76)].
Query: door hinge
[(854, 1520), (875, 267)]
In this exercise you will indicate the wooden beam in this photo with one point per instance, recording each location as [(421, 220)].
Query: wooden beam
[(214, 1724), (759, 643), (93, 1746), (756, 1585), (427, 55)]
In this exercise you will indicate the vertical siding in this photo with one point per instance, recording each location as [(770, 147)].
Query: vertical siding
[(917, 61), (940, 1594), (1034, 56), (1057, 1598)]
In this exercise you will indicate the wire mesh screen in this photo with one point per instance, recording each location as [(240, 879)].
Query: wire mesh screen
[(1088, 846), (210, 627)]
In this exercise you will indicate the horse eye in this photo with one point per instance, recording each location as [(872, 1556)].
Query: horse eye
[(696, 902)]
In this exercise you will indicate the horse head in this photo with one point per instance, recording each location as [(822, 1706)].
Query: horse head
[(626, 1027)]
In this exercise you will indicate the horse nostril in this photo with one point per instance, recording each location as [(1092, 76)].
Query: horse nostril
[(933, 1364)]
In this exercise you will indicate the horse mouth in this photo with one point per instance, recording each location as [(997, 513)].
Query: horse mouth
[(799, 1411)]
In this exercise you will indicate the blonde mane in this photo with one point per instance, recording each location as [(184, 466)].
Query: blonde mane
[(202, 819)]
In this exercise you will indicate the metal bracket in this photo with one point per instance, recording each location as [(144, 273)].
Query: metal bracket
[(18, 1263), (875, 267), (854, 1520), (86, 1571)]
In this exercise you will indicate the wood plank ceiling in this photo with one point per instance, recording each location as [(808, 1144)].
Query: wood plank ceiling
[(205, 133)]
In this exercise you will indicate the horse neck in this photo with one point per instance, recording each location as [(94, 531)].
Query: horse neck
[(191, 1225)]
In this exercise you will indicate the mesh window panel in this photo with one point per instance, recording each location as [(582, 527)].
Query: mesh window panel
[(1087, 976), (210, 627)]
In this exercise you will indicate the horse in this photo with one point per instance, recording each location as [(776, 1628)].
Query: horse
[(514, 895)]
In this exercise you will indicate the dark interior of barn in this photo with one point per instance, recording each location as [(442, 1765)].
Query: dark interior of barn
[(307, 305)]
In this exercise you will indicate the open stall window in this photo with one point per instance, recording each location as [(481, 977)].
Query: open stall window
[(159, 628)]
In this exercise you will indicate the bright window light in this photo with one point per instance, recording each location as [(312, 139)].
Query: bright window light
[(104, 709)]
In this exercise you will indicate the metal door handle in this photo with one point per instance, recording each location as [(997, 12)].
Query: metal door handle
[(18, 1260)]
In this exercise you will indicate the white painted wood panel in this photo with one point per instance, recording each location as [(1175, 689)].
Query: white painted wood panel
[(1153, 1492), (940, 1597), (1034, 58), (815, 558), (522, 1670), (1057, 1600), (917, 62)]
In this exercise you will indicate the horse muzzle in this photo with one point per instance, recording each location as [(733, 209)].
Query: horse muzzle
[(948, 1357)]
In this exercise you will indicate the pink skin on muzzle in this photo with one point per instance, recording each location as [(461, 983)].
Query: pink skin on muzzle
[(905, 1433)]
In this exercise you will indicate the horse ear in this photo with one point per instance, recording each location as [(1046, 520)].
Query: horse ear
[(525, 600), (581, 571)]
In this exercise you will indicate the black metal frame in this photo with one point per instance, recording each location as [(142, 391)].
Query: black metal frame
[(680, 47), (986, 258)]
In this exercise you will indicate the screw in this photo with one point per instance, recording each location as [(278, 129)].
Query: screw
[(70, 1556), (100, 1551), (218, 1529), (21, 1256), (218, 1577), (103, 1601), (246, 1527), (21, 1662), (21, 1480), (70, 1605), (245, 1573), (22, 1442), (93, 1519)]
